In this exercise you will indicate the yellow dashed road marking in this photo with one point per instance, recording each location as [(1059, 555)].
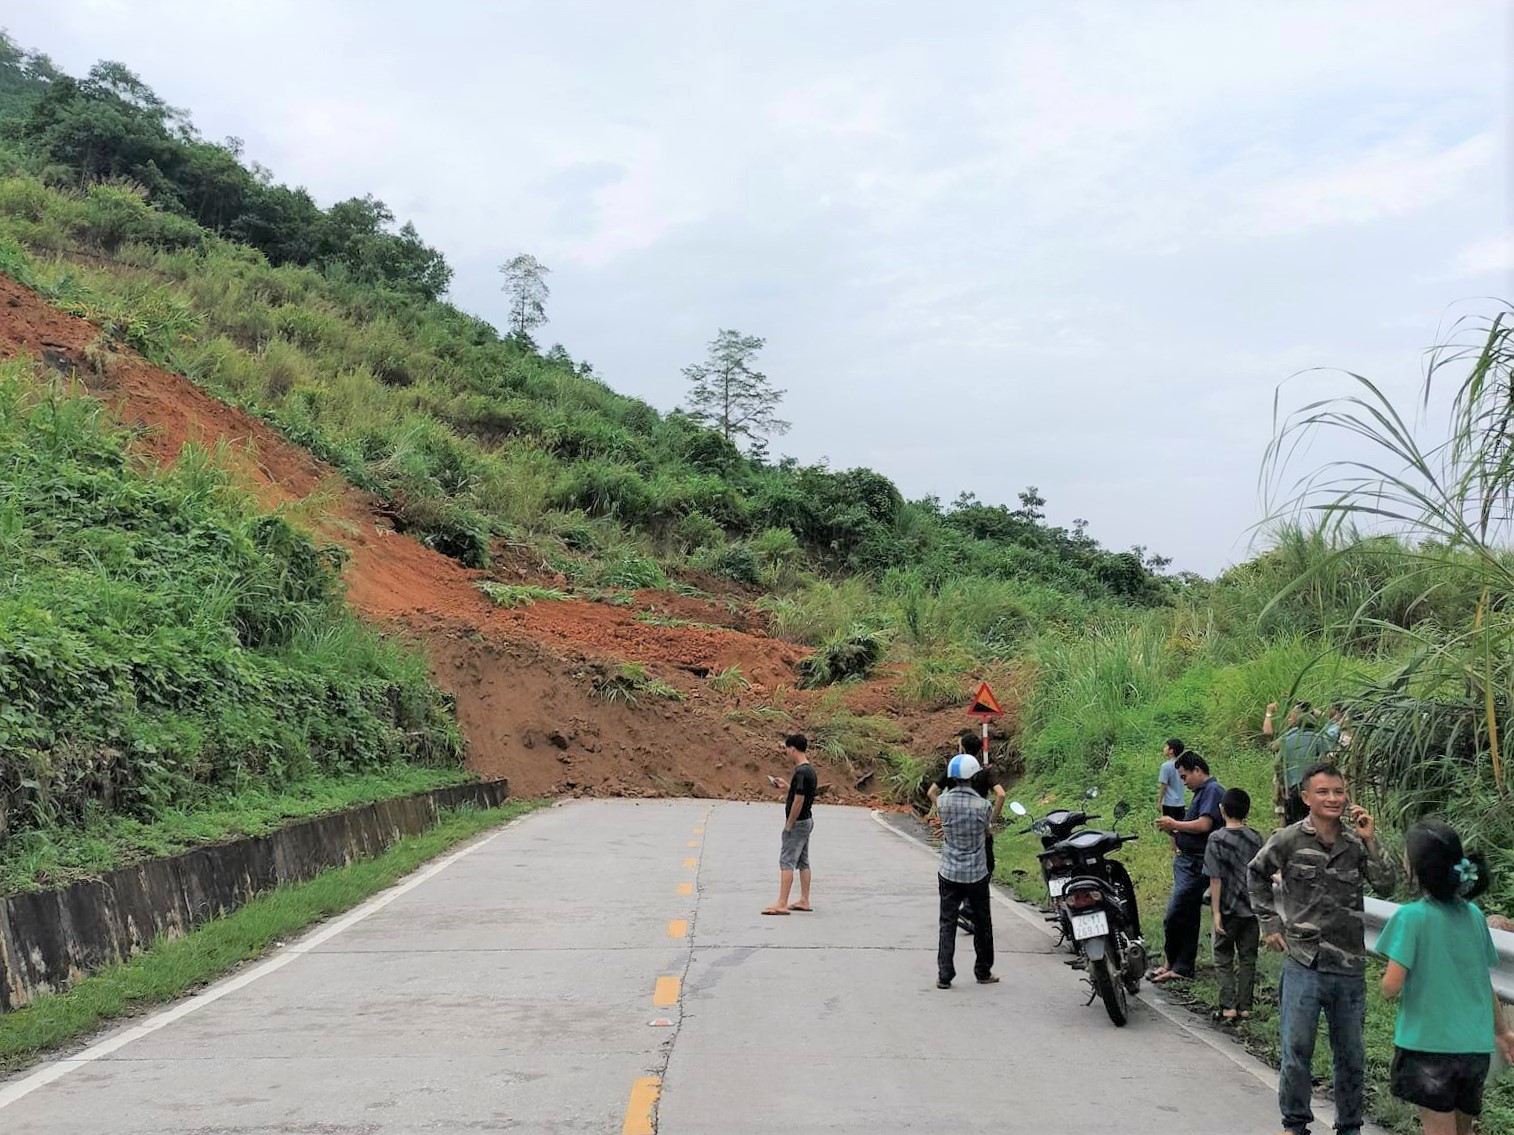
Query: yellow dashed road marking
[(699, 831), (691, 863), (678, 928), (693, 843), (644, 1093), (666, 991), (686, 888)]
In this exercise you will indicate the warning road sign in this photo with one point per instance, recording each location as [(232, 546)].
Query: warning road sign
[(984, 704)]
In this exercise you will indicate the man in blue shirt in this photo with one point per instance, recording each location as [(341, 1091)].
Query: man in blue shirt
[(1185, 908)]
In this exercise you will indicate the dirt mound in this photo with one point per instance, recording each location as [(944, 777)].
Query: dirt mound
[(522, 677)]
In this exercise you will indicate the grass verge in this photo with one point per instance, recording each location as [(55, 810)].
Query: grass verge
[(169, 970), (43, 858)]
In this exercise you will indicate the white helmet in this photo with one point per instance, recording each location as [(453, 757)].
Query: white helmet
[(963, 767)]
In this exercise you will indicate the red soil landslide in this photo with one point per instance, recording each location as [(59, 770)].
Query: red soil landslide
[(522, 676)]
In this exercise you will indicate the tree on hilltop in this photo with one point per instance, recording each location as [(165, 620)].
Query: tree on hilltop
[(731, 395), (526, 285)]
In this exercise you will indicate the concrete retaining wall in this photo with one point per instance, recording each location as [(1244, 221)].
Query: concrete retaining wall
[(51, 938)]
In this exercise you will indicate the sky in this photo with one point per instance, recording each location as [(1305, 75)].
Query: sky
[(1076, 245)]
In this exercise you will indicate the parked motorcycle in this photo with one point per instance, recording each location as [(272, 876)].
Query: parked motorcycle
[(1057, 868), (1104, 922)]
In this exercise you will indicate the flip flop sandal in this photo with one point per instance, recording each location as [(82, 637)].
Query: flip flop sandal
[(774, 910), (803, 909)]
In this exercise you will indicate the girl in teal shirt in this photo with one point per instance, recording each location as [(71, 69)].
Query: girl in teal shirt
[(1439, 953)]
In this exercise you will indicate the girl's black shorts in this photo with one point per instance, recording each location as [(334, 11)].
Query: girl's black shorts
[(1440, 1081)]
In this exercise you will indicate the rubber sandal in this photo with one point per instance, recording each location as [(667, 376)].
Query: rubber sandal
[(774, 910), (803, 909)]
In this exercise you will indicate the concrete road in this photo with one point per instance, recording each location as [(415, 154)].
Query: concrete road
[(602, 967)]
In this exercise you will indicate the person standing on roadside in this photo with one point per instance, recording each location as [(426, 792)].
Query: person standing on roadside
[(962, 875), (1227, 856), (798, 823), (982, 783), (1301, 746), (1316, 920), (1439, 953), (1169, 783), (1185, 909)]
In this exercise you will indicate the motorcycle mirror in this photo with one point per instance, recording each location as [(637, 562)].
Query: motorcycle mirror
[(1121, 810), (1092, 793), (1017, 808), (1040, 827)]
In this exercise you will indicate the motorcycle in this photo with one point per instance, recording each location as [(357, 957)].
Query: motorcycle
[(1057, 867), (1105, 924)]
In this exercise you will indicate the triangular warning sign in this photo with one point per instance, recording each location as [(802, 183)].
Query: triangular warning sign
[(984, 704)]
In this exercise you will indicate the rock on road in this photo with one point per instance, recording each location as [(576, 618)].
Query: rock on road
[(514, 991)]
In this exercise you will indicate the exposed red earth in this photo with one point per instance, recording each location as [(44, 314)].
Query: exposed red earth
[(522, 677)]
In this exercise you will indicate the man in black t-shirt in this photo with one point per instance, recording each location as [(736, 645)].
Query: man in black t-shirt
[(794, 851)]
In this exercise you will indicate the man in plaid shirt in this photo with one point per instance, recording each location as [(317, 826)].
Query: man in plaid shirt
[(963, 872)]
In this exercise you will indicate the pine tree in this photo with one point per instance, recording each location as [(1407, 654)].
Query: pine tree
[(732, 396)]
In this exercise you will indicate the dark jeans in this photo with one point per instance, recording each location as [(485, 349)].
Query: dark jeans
[(1185, 911), (965, 919), (1305, 993), (1235, 957), (953, 896)]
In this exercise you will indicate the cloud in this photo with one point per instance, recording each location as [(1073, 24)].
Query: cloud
[(1489, 256)]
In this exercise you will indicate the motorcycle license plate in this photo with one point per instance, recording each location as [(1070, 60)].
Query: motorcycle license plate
[(1055, 887), (1090, 925)]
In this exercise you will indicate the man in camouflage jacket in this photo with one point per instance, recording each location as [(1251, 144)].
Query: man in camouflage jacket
[(1316, 919)]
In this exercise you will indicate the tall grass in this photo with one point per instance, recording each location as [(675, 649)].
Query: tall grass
[(1433, 729)]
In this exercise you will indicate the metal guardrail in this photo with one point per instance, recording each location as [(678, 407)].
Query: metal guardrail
[(1378, 911)]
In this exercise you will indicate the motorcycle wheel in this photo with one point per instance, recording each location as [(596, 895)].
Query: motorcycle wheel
[(1107, 980)]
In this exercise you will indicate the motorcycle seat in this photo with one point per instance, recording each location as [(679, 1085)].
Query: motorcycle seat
[(1095, 842)]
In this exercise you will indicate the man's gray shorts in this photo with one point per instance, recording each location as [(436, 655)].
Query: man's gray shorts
[(795, 853)]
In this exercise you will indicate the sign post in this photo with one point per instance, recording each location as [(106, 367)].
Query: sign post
[(985, 707)]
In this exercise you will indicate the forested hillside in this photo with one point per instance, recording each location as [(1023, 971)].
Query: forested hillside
[(332, 330)]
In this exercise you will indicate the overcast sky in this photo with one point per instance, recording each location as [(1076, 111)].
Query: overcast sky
[(1075, 245)]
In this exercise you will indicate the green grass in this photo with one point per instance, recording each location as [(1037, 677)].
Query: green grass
[(519, 594), (170, 969), (629, 683), (730, 681), (163, 638), (43, 858)]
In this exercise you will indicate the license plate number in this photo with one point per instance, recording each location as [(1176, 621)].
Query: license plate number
[(1056, 887), (1090, 925)]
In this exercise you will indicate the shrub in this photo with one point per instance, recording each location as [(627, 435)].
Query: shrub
[(734, 561), (853, 654), (696, 531), (627, 568)]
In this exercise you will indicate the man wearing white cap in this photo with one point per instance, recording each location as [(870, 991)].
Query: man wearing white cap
[(963, 873)]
